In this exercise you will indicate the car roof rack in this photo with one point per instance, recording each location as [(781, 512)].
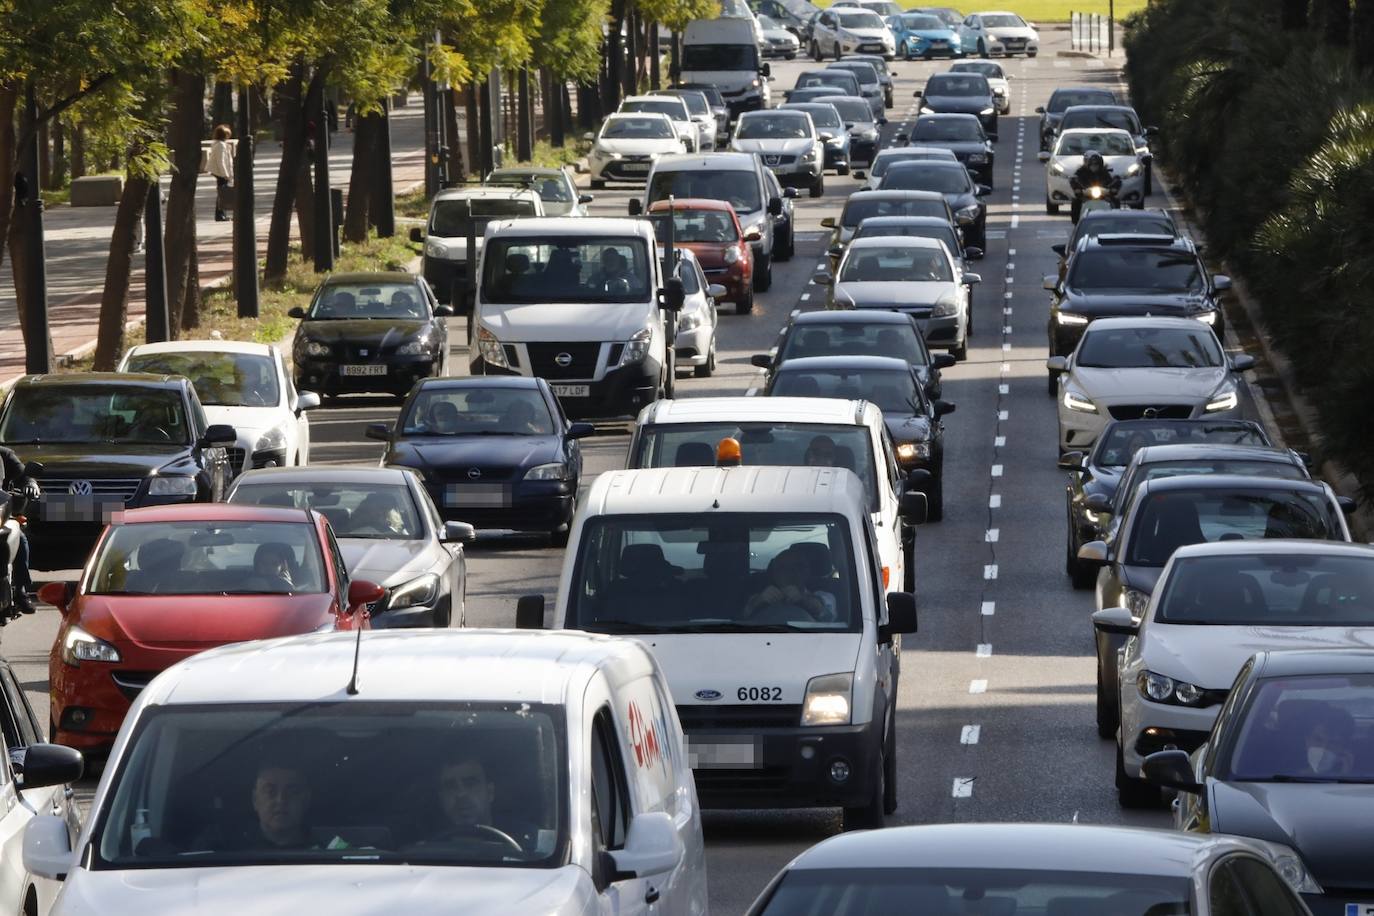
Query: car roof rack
[(1121, 238)]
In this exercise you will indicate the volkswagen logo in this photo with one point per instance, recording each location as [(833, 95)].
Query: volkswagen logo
[(563, 359), (1150, 413), (474, 473), (80, 488), (707, 695)]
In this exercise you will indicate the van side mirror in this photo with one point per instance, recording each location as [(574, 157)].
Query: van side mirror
[(1172, 770), (761, 361), (972, 279), (380, 431), (652, 846), (417, 234), (901, 615), (1221, 282), (48, 848), (458, 533), (913, 508), (49, 765), (636, 206), (766, 69), (1115, 620), (1071, 461), (529, 612)]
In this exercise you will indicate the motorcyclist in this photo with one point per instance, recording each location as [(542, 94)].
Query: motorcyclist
[(1093, 171), (14, 478)]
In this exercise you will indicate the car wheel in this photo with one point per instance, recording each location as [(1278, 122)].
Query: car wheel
[(1149, 180), (935, 498), (842, 170), (559, 536), (838, 54), (1051, 208), (1082, 575), (960, 353), (1106, 709), (906, 52), (870, 816), (968, 327), (789, 56), (818, 186), (670, 373), (788, 247), (708, 367), (598, 184), (815, 51), (1132, 792), (1032, 53), (982, 48), (890, 774), (763, 274), (745, 304), (1052, 387)]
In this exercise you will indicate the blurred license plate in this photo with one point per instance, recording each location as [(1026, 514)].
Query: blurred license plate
[(725, 753), (572, 391), (362, 370), (64, 507), (636, 166), (483, 495), (1359, 909)]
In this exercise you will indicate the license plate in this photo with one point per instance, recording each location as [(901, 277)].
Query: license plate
[(1359, 909), (937, 43), (572, 391), (725, 753), (636, 166), (477, 495), (362, 370), (63, 507)]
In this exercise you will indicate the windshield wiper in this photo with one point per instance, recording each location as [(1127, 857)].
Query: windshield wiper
[(624, 626), (735, 626)]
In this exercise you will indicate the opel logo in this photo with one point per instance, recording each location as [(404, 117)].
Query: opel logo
[(708, 695), (80, 488), (474, 473), (563, 359), (1151, 413)]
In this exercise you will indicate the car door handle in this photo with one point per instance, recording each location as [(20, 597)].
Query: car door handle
[(651, 895)]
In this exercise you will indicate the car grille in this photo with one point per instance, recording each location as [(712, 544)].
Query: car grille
[(235, 456), (762, 780), (1143, 411), (738, 718), (581, 361), (131, 683), (462, 474), (872, 46), (364, 352), (103, 489), (779, 159)]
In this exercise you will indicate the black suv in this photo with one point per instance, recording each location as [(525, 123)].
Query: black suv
[(109, 442)]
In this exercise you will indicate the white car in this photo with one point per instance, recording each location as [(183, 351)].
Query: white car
[(1123, 368), (677, 111), (1118, 152), (1215, 606), (244, 385), (627, 146), (695, 343), (789, 145), (993, 33), (544, 773), (851, 30), (997, 78)]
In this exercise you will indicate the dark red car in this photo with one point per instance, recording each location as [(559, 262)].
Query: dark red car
[(165, 583), (712, 230)]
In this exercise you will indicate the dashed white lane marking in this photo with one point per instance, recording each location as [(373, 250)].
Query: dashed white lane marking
[(978, 686), (999, 442), (1015, 221), (997, 468), (995, 501), (1003, 415), (1004, 389), (990, 571), (1006, 348), (1011, 252), (989, 608), (1006, 311), (805, 296), (969, 734), (1011, 265), (992, 535), (963, 786), (984, 650), (1006, 330), (752, 392), (1007, 294), (1006, 367)]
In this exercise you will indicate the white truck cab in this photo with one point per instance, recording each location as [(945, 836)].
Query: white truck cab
[(467, 771), (445, 238), (725, 53), (759, 590), (581, 303)]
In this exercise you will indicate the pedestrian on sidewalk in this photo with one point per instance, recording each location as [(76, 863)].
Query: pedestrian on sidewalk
[(222, 166)]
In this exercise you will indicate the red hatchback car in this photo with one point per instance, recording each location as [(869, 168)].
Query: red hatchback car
[(712, 230), (167, 582)]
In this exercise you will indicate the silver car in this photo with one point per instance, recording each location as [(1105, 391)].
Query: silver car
[(788, 143), (695, 343)]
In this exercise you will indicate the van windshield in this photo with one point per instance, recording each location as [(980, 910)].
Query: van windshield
[(746, 572), (720, 57), (566, 269), (449, 218)]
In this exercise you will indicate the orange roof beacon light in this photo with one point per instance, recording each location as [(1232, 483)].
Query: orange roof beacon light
[(728, 453)]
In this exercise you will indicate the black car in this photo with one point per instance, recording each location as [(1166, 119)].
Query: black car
[(1095, 477), (1052, 112), (960, 93), (862, 205), (1290, 760), (962, 135), (912, 419), (495, 452), (784, 235), (370, 332), (1155, 222), (952, 180), (1125, 276), (862, 123), (109, 442), (862, 332)]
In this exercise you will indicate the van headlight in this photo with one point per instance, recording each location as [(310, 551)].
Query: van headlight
[(418, 592), (828, 700), (436, 249), (79, 646), (490, 349), (172, 486), (637, 347)]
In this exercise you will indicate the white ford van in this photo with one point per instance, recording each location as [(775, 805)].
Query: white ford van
[(466, 771), (724, 53), (759, 590)]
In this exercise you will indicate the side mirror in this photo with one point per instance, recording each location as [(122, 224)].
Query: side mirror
[(361, 593), (529, 612), (49, 765), (902, 138), (1094, 552), (913, 508), (823, 277), (379, 431), (1171, 769), (58, 594), (766, 70), (775, 206), (973, 253), (942, 408), (652, 845), (417, 234), (882, 122), (585, 198), (972, 279), (1050, 282), (443, 311), (1346, 503), (1115, 620), (761, 361), (1071, 461), (828, 222), (916, 94), (48, 848), (580, 431), (33, 468), (716, 291), (1057, 364), (217, 434), (859, 174), (306, 400), (835, 251), (1098, 502), (636, 206), (901, 615), (1060, 249), (753, 235), (1039, 109), (791, 193), (674, 294), (982, 190), (942, 361), (917, 478), (589, 137), (848, 125), (458, 533), (295, 312), (1043, 156), (1151, 131), (1221, 282), (1242, 361)]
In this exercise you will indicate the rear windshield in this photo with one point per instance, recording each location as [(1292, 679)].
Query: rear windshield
[(947, 130), (900, 341), (1270, 590), (738, 187), (859, 209), (1168, 521), (1120, 441), (1146, 271)]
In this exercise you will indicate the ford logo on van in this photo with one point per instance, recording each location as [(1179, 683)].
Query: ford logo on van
[(708, 695)]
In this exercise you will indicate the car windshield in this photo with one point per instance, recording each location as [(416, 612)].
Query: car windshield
[(737, 187), (440, 410), (957, 85), (208, 558), (371, 510), (712, 94), (823, 116), (762, 443), (720, 57), (690, 225), (948, 130), (220, 379), (1168, 521), (1142, 224), (1158, 271), (897, 264), (1108, 144), (695, 101), (383, 301), (106, 414), (879, 229), (1063, 99), (842, 79), (1003, 21), (989, 71), (857, 209), (1120, 441), (728, 572), (768, 25), (637, 129), (940, 177), (553, 189), (1270, 590), (566, 268), (1308, 728), (691, 284), (922, 891), (853, 109), (778, 126), (920, 23), (449, 218), (894, 392), (864, 73), (859, 20), (900, 341), (672, 107), (216, 785), (1156, 348), (1118, 118)]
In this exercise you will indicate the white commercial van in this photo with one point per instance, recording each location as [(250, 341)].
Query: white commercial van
[(724, 53), (466, 771), (582, 303), (456, 212), (759, 590)]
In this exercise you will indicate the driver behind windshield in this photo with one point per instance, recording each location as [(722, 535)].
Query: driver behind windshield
[(272, 564), (789, 575), (466, 795)]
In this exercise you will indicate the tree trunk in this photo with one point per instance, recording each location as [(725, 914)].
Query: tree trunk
[(472, 121), (184, 134), (44, 156), (9, 97), (1336, 22), (448, 101), (616, 71), (675, 57), (190, 317), (1294, 15), (59, 155), (304, 205), (222, 108), (381, 207), (294, 97), (554, 115), (633, 71), (524, 134), (114, 301), (651, 44), (78, 150), (1362, 25), (364, 152)]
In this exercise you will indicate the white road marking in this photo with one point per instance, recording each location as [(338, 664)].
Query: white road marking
[(1006, 311), (1011, 252), (995, 501), (1006, 348), (990, 571), (989, 608), (984, 650), (1006, 367), (991, 535), (997, 468), (1003, 415), (1011, 265), (978, 686), (969, 734), (1007, 294), (1004, 389), (805, 296), (1015, 221), (963, 786), (999, 442), (1006, 329)]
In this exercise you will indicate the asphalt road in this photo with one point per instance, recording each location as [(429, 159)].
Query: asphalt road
[(995, 720)]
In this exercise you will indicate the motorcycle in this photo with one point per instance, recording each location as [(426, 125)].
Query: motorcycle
[(12, 505), (1087, 198)]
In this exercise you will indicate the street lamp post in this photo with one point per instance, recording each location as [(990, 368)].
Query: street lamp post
[(157, 325), (37, 337), (245, 225)]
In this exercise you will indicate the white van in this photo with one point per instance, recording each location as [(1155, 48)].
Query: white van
[(442, 771), (725, 53), (580, 303), (759, 590), (445, 261)]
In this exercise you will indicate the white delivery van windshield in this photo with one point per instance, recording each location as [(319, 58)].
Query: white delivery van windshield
[(559, 268), (720, 57), (743, 572), (448, 219)]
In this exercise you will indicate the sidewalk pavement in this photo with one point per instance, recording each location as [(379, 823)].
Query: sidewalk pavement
[(78, 242)]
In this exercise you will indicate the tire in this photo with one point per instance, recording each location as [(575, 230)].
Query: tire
[(789, 57), (787, 250), (559, 536), (816, 190), (1082, 575), (670, 373), (960, 353), (598, 184), (1053, 387), (909, 563), (982, 48), (838, 53), (968, 328), (763, 274), (1133, 793), (890, 773), (935, 498), (870, 816), (1030, 54), (706, 369), (1106, 710), (841, 170), (815, 51), (1051, 209), (906, 52), (1149, 180), (745, 305)]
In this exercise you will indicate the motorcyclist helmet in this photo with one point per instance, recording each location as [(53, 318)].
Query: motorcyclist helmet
[(1092, 159)]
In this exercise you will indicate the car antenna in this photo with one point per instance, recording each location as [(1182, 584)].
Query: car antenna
[(352, 688)]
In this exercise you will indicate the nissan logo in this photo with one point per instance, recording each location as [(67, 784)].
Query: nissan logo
[(80, 488), (1150, 413), (474, 473), (708, 695), (563, 359)]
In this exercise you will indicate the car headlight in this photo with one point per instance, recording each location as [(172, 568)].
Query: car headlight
[(969, 213), (1223, 401), (316, 348), (913, 451), (978, 158), (172, 486), (637, 347), (1070, 320), (926, 109), (1075, 401), (1057, 168), (998, 90), (836, 141), (490, 349), (271, 440), (810, 155), (1208, 317), (436, 250), (689, 321), (1290, 866), (869, 133), (555, 471), (1163, 689), (1135, 601), (827, 700), (946, 307), (416, 347), (987, 111), (1133, 169), (418, 592), (732, 255), (79, 646)]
